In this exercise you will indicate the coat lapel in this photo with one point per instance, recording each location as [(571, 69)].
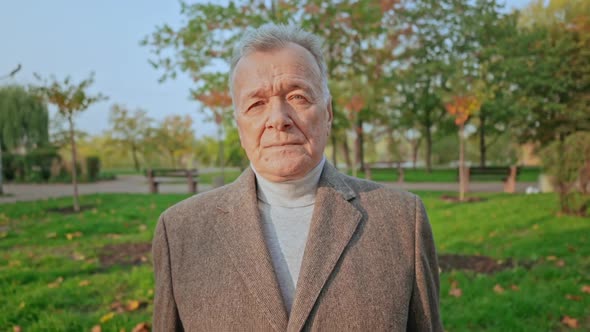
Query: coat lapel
[(239, 228), (333, 223)]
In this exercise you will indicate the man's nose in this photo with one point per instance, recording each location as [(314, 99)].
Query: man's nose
[(279, 117)]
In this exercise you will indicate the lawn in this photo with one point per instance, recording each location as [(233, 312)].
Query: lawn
[(72, 272)]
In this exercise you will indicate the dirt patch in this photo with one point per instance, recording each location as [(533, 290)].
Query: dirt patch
[(124, 254), (479, 264), (455, 199), (70, 209)]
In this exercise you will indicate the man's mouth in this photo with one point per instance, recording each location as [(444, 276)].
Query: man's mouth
[(282, 144)]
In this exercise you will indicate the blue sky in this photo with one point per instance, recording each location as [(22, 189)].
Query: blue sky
[(67, 37)]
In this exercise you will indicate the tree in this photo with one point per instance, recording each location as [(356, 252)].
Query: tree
[(70, 99), (461, 108), (24, 121), (174, 136), (129, 130), (552, 82), (360, 39)]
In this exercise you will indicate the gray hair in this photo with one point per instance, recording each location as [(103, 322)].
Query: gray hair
[(271, 36)]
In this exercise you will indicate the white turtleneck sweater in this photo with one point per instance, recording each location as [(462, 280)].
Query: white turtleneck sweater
[(286, 209)]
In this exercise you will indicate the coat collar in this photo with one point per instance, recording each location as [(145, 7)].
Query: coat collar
[(239, 226)]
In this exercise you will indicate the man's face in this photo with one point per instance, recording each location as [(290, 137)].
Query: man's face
[(283, 117)]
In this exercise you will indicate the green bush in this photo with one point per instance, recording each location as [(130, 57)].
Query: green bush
[(13, 167), (92, 167), (39, 163)]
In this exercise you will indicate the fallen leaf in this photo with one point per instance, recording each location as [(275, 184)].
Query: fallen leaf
[(16, 328), (71, 236), (21, 305), (3, 235), (570, 322), (498, 289), (456, 292), (56, 283), (14, 263), (107, 317), (571, 248), (84, 283), (551, 258), (560, 263), (78, 256), (142, 227), (141, 327), (514, 287), (573, 297), (132, 305), (586, 289), (535, 226), (117, 306), (96, 328), (51, 235)]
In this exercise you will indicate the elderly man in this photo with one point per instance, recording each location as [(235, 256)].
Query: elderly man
[(293, 244)]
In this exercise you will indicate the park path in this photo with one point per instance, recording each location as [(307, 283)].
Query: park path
[(137, 184)]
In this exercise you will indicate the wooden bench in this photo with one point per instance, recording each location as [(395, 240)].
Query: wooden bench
[(506, 174), (171, 175)]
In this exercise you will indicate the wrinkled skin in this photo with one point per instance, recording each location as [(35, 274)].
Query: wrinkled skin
[(283, 116)]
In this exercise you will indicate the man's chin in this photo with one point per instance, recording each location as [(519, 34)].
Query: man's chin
[(287, 169)]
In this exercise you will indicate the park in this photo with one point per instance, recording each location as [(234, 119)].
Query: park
[(481, 110)]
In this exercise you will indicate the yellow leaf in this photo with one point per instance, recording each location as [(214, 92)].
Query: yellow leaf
[(21, 305), (16, 328), (56, 283), (96, 328), (107, 317), (514, 288), (51, 235), (551, 258), (586, 289), (132, 305), (84, 283)]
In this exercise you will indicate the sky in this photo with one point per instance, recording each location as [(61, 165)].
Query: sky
[(74, 38)]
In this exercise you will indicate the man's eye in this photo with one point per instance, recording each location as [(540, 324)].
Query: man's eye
[(256, 104), (298, 98)]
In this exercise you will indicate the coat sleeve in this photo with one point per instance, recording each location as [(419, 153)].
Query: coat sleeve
[(165, 316), (424, 312)]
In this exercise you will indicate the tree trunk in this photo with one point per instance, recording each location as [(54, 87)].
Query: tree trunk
[(346, 153), (334, 150), (221, 153), (1, 174), (358, 148), (462, 175), (74, 170), (135, 160), (562, 187), (428, 149), (362, 144), (482, 141), (415, 148)]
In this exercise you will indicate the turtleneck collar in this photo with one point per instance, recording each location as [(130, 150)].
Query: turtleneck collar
[(289, 194)]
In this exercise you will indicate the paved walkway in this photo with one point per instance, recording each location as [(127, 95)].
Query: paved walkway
[(137, 184)]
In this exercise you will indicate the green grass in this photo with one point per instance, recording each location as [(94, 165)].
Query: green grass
[(527, 174), (35, 252)]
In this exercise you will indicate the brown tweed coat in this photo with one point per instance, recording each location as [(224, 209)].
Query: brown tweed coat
[(369, 263)]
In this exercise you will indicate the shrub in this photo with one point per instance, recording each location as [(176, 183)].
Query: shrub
[(92, 167)]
